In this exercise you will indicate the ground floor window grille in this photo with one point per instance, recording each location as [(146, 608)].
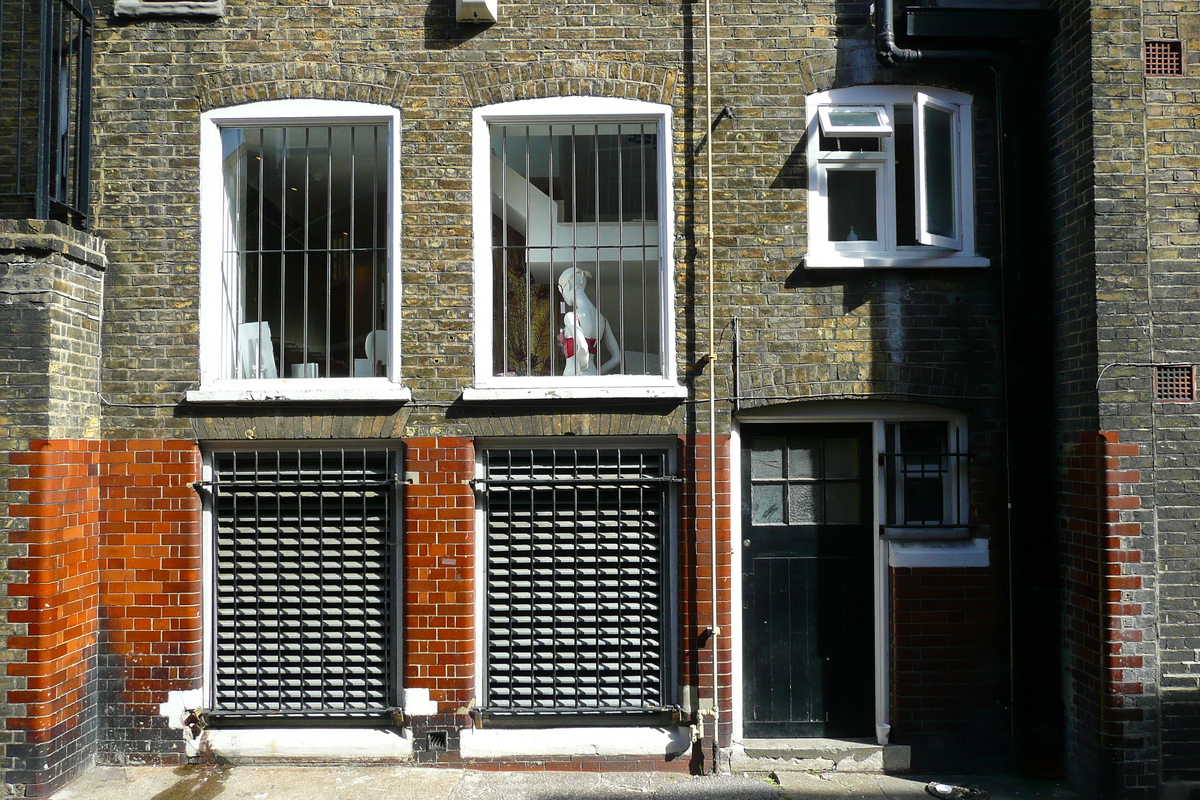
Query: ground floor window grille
[(304, 583), (925, 466), (577, 610)]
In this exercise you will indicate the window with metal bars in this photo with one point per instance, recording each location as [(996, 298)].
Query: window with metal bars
[(575, 237), (577, 599), (925, 473), (299, 240), (304, 559), (1164, 58)]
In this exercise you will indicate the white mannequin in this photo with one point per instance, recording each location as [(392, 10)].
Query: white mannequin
[(584, 328)]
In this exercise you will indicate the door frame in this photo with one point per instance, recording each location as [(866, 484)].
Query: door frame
[(873, 412)]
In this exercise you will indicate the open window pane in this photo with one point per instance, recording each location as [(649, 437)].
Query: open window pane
[(575, 249), (853, 205), (854, 121), (308, 230), (937, 217)]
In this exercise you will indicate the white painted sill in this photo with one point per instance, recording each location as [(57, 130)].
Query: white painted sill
[(169, 8), (288, 390), (834, 261), (664, 391), (501, 743)]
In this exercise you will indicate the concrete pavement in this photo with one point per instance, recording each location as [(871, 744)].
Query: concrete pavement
[(427, 783)]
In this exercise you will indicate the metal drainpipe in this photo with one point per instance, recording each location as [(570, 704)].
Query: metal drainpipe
[(890, 55), (711, 358)]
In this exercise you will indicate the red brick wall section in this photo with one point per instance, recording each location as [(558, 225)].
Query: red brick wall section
[(55, 680), (439, 564), (113, 616), (1104, 625), (695, 582), (150, 593), (949, 667)]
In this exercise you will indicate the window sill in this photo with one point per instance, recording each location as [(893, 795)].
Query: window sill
[(323, 390), (836, 261), (550, 741), (659, 391), (169, 8)]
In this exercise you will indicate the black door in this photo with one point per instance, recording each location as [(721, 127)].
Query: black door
[(807, 581)]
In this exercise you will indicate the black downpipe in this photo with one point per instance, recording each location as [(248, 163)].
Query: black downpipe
[(890, 55)]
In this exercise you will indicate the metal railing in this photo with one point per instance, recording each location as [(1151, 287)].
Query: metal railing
[(45, 109)]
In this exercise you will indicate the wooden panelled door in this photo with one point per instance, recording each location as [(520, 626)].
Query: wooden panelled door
[(807, 581)]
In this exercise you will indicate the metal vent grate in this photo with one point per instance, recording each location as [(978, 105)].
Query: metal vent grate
[(575, 580), (303, 570), (1175, 383), (1164, 58)]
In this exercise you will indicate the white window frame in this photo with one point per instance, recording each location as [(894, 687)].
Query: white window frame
[(955, 519), (933, 250), (488, 385), (217, 316)]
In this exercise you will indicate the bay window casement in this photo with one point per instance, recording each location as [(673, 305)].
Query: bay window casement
[(575, 585), (891, 178), (302, 586), (299, 241), (573, 219)]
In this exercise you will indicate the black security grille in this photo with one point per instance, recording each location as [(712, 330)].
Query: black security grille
[(576, 601), (304, 571)]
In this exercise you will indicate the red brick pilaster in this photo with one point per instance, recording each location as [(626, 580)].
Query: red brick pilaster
[(439, 567), (52, 666)]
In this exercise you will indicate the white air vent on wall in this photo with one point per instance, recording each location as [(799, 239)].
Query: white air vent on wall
[(477, 10)]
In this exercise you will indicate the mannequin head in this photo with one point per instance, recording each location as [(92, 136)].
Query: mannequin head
[(572, 285)]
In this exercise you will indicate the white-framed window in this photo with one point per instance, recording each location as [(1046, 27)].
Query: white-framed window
[(573, 218), (299, 242), (891, 178), (925, 480)]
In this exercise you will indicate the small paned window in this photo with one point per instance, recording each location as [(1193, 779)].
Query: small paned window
[(925, 480), (1164, 58), (303, 595), (573, 233), (1175, 383), (890, 178), (577, 598)]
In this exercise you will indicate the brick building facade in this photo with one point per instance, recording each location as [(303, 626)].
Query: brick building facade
[(552, 392)]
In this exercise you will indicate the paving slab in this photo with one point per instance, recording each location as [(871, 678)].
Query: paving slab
[(857, 786), (286, 782)]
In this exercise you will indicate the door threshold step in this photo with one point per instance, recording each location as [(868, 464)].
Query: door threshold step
[(818, 755)]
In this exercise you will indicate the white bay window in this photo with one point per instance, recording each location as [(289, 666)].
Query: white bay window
[(891, 178)]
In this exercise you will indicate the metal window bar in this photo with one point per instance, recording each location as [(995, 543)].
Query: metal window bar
[(586, 226), (311, 239), (576, 583), (949, 472), (304, 585), (45, 109)]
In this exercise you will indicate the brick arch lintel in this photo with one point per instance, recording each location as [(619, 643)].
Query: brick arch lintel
[(902, 382), (571, 78), (296, 81)]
